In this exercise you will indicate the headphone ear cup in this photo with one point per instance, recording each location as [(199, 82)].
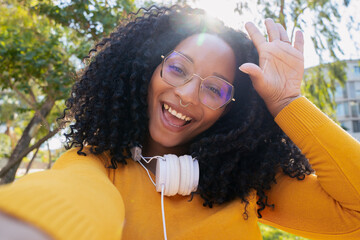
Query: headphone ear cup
[(185, 175), (160, 174), (195, 183), (191, 177), (176, 176), (168, 162), (172, 175)]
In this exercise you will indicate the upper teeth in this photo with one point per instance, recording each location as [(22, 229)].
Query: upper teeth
[(176, 114)]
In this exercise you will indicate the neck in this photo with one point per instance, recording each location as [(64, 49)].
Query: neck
[(152, 148)]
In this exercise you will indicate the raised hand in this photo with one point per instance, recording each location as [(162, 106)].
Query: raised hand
[(281, 70)]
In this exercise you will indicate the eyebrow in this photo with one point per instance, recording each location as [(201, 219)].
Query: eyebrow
[(220, 76), (187, 56), (214, 73)]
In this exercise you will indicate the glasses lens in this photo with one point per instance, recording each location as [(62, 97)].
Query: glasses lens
[(177, 69), (215, 92)]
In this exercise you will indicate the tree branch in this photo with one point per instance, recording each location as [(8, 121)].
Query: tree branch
[(32, 95), (22, 96), (281, 14), (9, 165), (30, 103), (48, 146), (31, 161), (295, 22)]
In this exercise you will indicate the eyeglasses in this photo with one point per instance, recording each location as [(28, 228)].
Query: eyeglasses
[(214, 92)]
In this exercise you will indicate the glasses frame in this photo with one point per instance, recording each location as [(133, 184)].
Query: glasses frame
[(192, 76)]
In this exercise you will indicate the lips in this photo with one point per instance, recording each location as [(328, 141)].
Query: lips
[(174, 119)]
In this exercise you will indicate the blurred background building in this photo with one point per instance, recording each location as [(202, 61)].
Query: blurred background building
[(348, 100)]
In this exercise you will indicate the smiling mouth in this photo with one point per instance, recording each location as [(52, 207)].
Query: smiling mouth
[(175, 118)]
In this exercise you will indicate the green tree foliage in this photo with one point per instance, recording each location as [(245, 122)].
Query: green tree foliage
[(88, 21), (41, 44), (322, 18), (32, 55), (34, 69), (271, 233)]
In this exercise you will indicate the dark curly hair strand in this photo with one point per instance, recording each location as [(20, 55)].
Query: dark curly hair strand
[(109, 106)]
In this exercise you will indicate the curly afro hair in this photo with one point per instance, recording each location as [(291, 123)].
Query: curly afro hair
[(109, 107)]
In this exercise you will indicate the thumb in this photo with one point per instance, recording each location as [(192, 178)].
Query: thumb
[(255, 72)]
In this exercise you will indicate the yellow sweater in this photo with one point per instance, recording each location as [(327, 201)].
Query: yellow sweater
[(81, 199)]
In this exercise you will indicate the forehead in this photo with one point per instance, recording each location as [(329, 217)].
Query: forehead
[(210, 54)]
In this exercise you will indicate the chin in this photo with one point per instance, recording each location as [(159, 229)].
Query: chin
[(166, 141), (170, 141)]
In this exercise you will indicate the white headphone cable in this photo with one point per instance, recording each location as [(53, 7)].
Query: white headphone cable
[(147, 173), (162, 191), (163, 211), (137, 156)]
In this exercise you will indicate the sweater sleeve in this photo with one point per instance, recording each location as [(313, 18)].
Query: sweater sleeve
[(325, 205), (73, 200)]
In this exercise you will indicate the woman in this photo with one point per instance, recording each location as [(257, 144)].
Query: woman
[(193, 100)]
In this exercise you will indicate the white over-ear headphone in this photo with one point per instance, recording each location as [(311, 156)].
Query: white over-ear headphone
[(174, 175), (178, 175)]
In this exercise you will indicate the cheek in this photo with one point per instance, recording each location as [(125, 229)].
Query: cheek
[(153, 86), (150, 97), (210, 117)]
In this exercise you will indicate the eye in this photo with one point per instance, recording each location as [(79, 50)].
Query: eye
[(177, 70), (214, 90)]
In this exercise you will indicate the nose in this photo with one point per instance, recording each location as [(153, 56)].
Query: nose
[(189, 92)]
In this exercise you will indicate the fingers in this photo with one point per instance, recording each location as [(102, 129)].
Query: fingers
[(272, 30), (255, 72), (283, 34), (299, 41), (275, 32), (255, 34)]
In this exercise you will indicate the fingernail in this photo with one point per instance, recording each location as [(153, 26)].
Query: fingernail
[(245, 71)]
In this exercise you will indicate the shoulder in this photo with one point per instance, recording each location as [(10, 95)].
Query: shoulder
[(85, 158)]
